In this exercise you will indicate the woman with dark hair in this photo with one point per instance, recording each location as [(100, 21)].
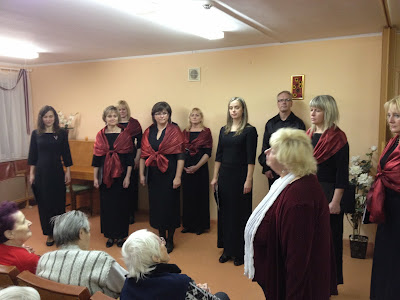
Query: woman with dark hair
[(162, 154), (49, 143), (135, 130), (196, 202), (233, 175), (331, 150), (14, 232), (112, 162)]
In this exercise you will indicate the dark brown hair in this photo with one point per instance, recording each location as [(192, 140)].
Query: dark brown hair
[(160, 106), (7, 221), (41, 128)]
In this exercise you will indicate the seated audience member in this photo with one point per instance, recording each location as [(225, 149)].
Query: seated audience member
[(151, 277), (14, 232), (19, 293), (73, 264)]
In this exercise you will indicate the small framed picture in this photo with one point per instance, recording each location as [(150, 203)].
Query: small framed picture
[(297, 88)]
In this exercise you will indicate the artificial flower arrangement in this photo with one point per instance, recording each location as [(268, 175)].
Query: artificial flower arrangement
[(65, 121)]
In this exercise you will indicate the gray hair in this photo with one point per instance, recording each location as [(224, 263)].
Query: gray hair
[(331, 112), (138, 252), (67, 227), (19, 293)]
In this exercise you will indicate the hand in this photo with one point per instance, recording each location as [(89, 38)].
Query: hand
[(96, 183), (269, 174), (204, 286), (247, 186), (191, 169), (31, 178), (136, 166), (176, 183), (334, 208), (126, 182), (67, 177), (28, 248), (214, 183), (142, 180)]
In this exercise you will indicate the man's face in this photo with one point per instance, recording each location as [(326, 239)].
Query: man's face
[(284, 103)]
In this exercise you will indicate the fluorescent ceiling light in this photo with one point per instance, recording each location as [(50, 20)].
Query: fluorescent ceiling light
[(18, 49), (182, 15)]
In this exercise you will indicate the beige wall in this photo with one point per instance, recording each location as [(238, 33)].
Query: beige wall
[(348, 69)]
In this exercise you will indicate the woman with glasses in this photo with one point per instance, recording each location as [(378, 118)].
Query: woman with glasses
[(162, 154), (233, 178)]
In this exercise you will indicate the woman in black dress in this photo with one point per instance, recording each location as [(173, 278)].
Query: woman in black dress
[(162, 154), (49, 143), (136, 133), (331, 151), (233, 176), (196, 202), (384, 206), (112, 162)]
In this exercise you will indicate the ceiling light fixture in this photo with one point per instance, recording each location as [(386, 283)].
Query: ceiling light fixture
[(194, 17), (18, 49)]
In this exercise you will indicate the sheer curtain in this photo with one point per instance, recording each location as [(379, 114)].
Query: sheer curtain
[(15, 115)]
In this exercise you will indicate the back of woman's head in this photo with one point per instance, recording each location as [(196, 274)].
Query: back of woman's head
[(331, 112), (139, 251), (294, 151), (7, 221), (67, 227), (19, 293)]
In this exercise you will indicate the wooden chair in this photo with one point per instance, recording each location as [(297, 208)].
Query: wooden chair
[(8, 276), (51, 290), (77, 189), (100, 296)]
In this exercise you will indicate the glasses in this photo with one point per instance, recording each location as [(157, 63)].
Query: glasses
[(284, 100), (161, 113), (163, 242)]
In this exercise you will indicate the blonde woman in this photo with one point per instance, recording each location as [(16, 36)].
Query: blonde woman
[(233, 177), (196, 202)]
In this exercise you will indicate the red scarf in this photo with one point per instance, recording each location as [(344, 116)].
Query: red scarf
[(133, 127), (330, 142), (203, 140), (112, 163), (171, 144), (388, 177)]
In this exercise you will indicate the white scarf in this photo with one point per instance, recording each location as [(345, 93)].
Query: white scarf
[(255, 219)]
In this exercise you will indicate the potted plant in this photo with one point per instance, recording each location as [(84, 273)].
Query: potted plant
[(66, 121), (360, 180)]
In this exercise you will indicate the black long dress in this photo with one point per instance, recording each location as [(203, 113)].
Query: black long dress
[(45, 153), (196, 192), (134, 185), (114, 214), (334, 174), (385, 277), (164, 200), (234, 153)]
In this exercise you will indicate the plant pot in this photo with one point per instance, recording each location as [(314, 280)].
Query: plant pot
[(358, 246)]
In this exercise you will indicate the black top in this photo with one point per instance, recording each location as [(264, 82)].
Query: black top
[(273, 125), (237, 150), (336, 168), (125, 158)]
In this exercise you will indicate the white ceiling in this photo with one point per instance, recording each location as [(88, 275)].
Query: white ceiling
[(81, 30)]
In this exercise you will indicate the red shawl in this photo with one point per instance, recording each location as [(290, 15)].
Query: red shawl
[(388, 177), (203, 140), (133, 127), (330, 142), (171, 144), (112, 164)]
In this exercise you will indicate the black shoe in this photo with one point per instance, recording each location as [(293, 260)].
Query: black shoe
[(238, 261), (198, 232), (185, 230), (49, 243), (110, 243), (131, 219), (170, 246), (120, 242), (224, 258)]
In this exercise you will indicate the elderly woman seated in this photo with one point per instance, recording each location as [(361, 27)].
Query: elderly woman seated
[(151, 277), (14, 232), (73, 264)]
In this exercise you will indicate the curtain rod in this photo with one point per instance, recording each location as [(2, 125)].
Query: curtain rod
[(14, 69)]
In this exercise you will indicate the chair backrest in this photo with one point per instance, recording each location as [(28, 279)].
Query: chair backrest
[(100, 296), (51, 290), (8, 276)]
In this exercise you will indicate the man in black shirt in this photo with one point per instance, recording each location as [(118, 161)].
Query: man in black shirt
[(285, 118)]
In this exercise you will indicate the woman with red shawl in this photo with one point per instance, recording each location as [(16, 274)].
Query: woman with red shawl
[(112, 162), (383, 202), (162, 154), (196, 201), (331, 151)]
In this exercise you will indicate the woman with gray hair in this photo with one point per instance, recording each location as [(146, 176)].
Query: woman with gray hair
[(288, 248), (19, 293), (73, 264), (151, 277)]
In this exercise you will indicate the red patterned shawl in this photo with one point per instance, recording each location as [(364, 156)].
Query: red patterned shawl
[(171, 144), (133, 127), (204, 140), (112, 163)]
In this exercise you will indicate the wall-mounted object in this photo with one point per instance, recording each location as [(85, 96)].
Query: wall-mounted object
[(194, 74), (297, 89)]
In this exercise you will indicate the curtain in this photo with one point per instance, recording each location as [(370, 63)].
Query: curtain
[(15, 115)]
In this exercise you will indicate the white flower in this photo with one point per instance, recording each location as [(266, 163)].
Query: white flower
[(373, 148), (365, 180), (355, 170), (355, 160)]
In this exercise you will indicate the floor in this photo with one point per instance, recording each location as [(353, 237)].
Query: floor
[(197, 256)]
